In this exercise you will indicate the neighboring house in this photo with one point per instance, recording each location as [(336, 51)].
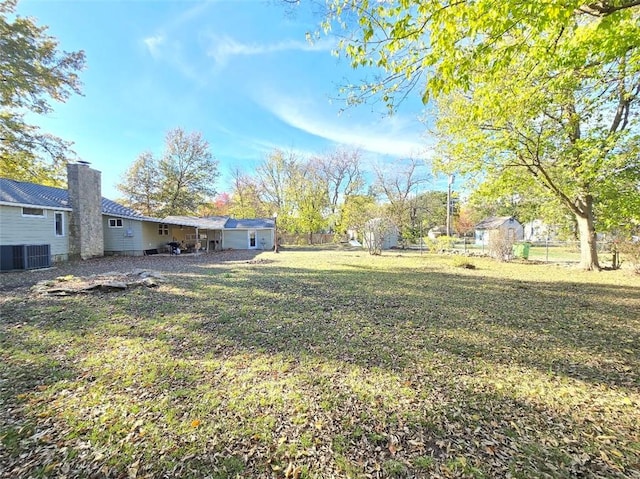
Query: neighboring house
[(41, 224), (539, 231), (380, 234), (223, 232), (436, 232), (498, 225)]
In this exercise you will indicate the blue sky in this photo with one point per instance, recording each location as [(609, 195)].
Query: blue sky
[(240, 72)]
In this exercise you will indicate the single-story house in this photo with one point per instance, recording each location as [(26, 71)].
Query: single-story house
[(539, 231), (498, 225), (42, 224), (223, 232)]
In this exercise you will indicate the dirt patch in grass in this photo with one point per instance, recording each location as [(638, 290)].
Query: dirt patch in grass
[(163, 263)]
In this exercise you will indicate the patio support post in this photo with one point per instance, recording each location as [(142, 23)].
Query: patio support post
[(275, 233)]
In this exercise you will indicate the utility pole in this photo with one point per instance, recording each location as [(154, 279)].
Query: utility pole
[(451, 180)]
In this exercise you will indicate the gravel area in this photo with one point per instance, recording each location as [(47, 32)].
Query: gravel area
[(15, 282)]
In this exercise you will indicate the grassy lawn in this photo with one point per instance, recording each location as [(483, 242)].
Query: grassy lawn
[(328, 363)]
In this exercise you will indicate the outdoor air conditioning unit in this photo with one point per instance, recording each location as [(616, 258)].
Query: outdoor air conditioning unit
[(23, 256)]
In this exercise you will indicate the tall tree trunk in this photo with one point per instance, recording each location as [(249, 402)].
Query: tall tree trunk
[(588, 245)]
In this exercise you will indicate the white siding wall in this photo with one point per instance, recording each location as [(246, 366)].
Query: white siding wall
[(390, 239), (483, 237), (16, 229)]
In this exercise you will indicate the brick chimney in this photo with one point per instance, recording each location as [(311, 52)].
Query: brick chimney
[(86, 238)]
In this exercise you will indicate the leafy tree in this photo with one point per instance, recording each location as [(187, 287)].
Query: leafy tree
[(466, 221), (356, 211), (619, 200), (546, 89), (245, 197), (141, 185), (340, 171), (398, 184), (431, 209), (220, 206), (274, 177), (32, 72), (188, 171), (23, 166), (524, 201), (179, 183), (307, 194)]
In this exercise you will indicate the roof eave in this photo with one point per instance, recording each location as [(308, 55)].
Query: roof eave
[(31, 205)]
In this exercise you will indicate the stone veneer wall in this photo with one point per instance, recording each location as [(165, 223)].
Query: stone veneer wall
[(86, 239)]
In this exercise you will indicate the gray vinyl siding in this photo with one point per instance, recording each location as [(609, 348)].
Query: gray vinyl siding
[(122, 241), (143, 235), (239, 239), (265, 236), (235, 239), (16, 229)]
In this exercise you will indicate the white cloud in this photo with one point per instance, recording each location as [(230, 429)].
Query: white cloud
[(164, 46), (189, 14), (390, 136), (153, 44), (172, 53), (224, 47)]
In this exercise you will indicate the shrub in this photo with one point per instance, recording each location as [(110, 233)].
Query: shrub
[(430, 244), (501, 245), (463, 262), (445, 243), (630, 252)]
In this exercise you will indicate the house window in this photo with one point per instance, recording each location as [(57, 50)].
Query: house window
[(39, 212), (194, 237), (59, 222), (163, 230), (115, 222)]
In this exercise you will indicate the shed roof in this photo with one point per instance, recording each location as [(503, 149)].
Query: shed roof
[(207, 223), (494, 222)]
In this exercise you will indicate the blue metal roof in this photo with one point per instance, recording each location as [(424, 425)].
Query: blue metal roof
[(256, 223), (23, 193)]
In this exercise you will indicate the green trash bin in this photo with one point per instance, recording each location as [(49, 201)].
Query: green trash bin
[(521, 250)]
